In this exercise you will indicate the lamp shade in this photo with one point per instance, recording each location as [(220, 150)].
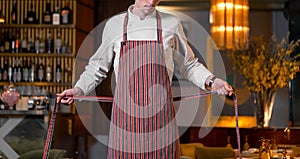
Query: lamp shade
[(229, 23)]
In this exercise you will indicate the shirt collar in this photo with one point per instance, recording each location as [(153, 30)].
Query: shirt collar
[(153, 14)]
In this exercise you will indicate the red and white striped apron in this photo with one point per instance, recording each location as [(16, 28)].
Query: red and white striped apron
[(143, 122)]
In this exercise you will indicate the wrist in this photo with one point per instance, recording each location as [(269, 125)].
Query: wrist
[(209, 82)]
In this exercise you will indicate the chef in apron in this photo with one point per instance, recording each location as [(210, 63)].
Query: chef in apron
[(140, 45)]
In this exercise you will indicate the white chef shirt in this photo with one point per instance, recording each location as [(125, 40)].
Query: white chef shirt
[(174, 44)]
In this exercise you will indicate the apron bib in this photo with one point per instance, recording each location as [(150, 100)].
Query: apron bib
[(143, 122)]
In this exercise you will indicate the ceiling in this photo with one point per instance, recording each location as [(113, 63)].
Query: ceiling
[(205, 4)]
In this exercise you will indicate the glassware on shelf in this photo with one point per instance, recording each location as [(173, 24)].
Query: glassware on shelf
[(10, 96)]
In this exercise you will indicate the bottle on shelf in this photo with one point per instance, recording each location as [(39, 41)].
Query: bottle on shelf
[(41, 71), (10, 73), (58, 43), (49, 45), (32, 72), (58, 72), (49, 73), (17, 42), (30, 45), (19, 71), (66, 14), (42, 42), (5, 70), (47, 17), (25, 74), (7, 42), (31, 16), (24, 43), (14, 13), (14, 70), (37, 44), (13, 42), (56, 16)]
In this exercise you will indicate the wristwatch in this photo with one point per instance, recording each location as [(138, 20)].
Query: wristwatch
[(211, 81)]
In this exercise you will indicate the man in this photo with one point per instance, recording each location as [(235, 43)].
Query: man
[(140, 45)]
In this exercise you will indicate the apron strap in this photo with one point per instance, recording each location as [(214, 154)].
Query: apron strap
[(159, 28)]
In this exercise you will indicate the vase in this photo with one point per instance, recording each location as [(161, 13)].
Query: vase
[(10, 96), (264, 103)]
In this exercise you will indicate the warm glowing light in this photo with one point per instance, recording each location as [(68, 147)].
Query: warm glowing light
[(229, 23)]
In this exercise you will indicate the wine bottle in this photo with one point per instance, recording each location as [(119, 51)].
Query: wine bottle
[(17, 42), (66, 14), (41, 71), (24, 43), (49, 45), (49, 73), (58, 71), (58, 43), (5, 70), (19, 71), (42, 42), (10, 73), (14, 13), (55, 16), (31, 16), (47, 17), (14, 70), (37, 44), (30, 45), (13, 42), (25, 70), (7, 41), (32, 72)]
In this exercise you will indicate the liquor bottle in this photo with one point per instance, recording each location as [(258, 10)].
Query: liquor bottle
[(14, 70), (37, 44), (66, 14), (55, 16), (32, 72), (19, 71), (63, 47), (7, 41), (24, 43), (17, 42), (49, 73), (10, 73), (49, 45), (5, 70), (58, 43), (58, 71), (13, 42), (42, 42), (30, 45), (31, 16), (25, 74), (14, 13), (47, 17), (41, 71)]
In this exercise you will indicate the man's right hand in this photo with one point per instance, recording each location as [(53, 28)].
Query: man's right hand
[(66, 97)]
